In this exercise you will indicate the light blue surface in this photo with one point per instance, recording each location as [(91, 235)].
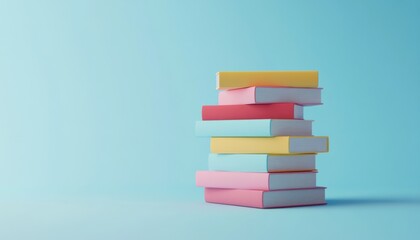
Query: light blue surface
[(98, 102), (236, 128)]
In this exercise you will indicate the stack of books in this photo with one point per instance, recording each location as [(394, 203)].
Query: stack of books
[(262, 150)]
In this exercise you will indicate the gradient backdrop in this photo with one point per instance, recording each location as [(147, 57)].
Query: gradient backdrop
[(98, 101)]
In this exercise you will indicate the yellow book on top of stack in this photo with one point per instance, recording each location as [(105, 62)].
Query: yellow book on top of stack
[(269, 145), (302, 79)]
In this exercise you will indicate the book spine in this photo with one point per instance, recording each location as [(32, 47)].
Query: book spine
[(239, 128), (247, 198), (259, 111), (267, 95), (237, 96), (216, 179), (229, 80), (256, 198), (271, 145), (238, 162)]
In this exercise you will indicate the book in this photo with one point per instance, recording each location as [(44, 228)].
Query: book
[(258, 181), (229, 80), (261, 162), (266, 199), (258, 95), (259, 111), (269, 145), (254, 128)]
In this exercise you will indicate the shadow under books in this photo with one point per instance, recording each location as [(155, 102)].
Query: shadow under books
[(360, 201)]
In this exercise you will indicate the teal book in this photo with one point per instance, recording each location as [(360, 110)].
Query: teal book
[(261, 162), (253, 128)]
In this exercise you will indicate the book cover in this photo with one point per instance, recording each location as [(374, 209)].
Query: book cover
[(269, 145), (229, 80), (261, 162), (259, 111), (253, 128), (266, 199), (259, 181), (263, 95)]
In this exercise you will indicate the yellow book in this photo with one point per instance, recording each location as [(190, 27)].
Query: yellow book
[(269, 145), (304, 79)]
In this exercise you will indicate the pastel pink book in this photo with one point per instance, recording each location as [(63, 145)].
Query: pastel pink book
[(257, 111), (266, 199), (263, 95), (256, 180)]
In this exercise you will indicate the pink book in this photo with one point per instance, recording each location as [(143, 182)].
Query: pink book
[(258, 111), (256, 180), (266, 199), (262, 95)]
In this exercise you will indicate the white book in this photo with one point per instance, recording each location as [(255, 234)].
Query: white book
[(261, 162), (253, 128)]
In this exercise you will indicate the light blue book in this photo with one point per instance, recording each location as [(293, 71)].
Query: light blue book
[(261, 162), (253, 128)]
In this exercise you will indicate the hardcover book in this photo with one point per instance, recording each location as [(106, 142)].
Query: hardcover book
[(261, 162), (258, 95), (258, 181), (269, 145), (253, 128), (259, 111), (229, 80), (266, 199)]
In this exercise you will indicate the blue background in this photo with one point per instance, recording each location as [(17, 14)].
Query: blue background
[(98, 101)]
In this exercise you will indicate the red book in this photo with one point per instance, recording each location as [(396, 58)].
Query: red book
[(254, 111)]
